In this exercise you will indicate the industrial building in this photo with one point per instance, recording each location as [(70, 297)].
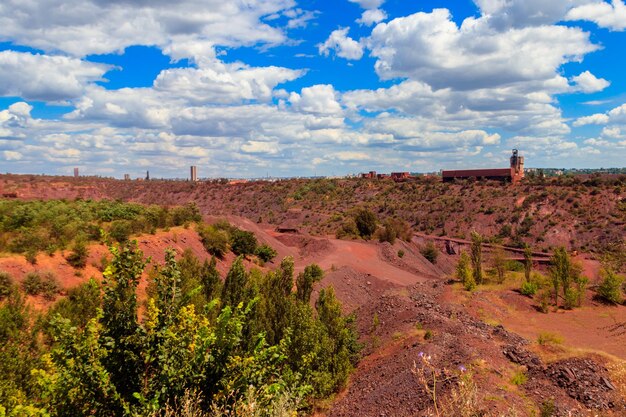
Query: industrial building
[(513, 174)]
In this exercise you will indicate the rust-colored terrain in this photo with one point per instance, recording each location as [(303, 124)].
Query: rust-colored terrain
[(406, 307)]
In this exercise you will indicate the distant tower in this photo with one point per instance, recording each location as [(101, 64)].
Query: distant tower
[(194, 173), (75, 172), (517, 166), (147, 175), (126, 177)]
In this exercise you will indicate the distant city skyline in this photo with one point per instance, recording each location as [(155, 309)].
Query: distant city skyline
[(302, 88)]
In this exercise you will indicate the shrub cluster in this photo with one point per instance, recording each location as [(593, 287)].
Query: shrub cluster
[(33, 226), (251, 342), (220, 237)]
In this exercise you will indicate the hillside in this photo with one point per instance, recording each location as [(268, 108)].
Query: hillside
[(490, 351), (581, 213)]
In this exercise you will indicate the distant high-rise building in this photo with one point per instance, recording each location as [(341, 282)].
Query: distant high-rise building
[(75, 172), (126, 177), (194, 173), (147, 175)]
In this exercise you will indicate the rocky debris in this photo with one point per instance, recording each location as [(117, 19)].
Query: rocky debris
[(586, 381), (521, 356)]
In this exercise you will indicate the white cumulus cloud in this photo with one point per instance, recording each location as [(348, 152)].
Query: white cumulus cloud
[(47, 78), (607, 15), (589, 83), (343, 45), (372, 16)]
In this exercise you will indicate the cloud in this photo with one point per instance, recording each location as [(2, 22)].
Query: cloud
[(589, 83), (594, 119), (505, 14), (260, 147), (319, 99), (368, 4), (46, 78), (611, 16), (430, 47), (618, 114), (12, 155), (371, 16), (343, 45), (83, 27), (217, 82)]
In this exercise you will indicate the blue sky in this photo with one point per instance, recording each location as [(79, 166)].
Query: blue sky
[(284, 87)]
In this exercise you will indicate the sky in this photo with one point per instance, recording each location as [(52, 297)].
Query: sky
[(254, 88)]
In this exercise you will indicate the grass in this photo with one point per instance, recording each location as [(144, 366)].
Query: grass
[(549, 339), (519, 377)]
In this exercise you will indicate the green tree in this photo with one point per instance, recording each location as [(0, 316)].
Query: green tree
[(476, 251), (210, 279), (365, 223), (566, 275), (234, 289), (120, 327), (464, 272), (528, 262), (340, 346), (306, 279), (610, 289), (499, 265)]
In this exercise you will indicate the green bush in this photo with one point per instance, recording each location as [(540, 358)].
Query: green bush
[(265, 253), (366, 222), (6, 284), (36, 284), (430, 252), (32, 284), (400, 253), (610, 289), (78, 257), (243, 243), (215, 240), (121, 230), (529, 288)]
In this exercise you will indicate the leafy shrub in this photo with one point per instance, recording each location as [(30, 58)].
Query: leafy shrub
[(400, 253), (80, 304), (6, 284), (78, 257), (529, 288), (214, 239), (46, 285), (243, 243), (610, 289), (120, 230), (395, 229), (430, 252), (348, 229), (365, 221), (32, 284), (265, 253)]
